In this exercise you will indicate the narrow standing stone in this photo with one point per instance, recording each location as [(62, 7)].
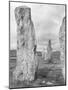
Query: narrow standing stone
[(26, 62), (62, 44), (62, 39)]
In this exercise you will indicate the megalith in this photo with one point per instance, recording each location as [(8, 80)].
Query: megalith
[(26, 62), (62, 44), (62, 39)]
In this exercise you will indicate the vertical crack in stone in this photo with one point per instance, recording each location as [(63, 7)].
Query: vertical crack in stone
[(26, 62)]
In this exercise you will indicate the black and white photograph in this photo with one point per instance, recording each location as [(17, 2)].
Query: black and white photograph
[(37, 45)]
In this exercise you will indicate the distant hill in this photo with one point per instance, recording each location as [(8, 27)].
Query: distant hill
[(12, 53), (55, 57)]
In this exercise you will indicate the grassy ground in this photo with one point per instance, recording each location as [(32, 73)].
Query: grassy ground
[(48, 74)]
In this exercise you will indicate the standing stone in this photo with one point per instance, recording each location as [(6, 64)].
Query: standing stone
[(49, 50), (26, 62), (62, 43), (62, 39)]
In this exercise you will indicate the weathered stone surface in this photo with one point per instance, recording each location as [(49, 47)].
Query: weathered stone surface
[(62, 39), (49, 50), (26, 61), (62, 44)]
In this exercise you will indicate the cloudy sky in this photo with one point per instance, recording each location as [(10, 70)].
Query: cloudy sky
[(47, 20)]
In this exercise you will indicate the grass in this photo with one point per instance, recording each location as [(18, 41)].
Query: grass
[(48, 74)]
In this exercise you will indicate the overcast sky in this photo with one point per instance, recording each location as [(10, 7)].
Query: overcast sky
[(47, 20)]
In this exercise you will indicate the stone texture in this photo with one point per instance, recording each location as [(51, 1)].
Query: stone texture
[(62, 44), (26, 60), (49, 50), (62, 39)]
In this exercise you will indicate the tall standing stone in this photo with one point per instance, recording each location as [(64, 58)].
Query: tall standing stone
[(49, 50), (26, 62), (62, 39), (62, 43)]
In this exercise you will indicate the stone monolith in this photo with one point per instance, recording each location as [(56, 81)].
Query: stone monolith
[(62, 39), (62, 44), (26, 62)]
